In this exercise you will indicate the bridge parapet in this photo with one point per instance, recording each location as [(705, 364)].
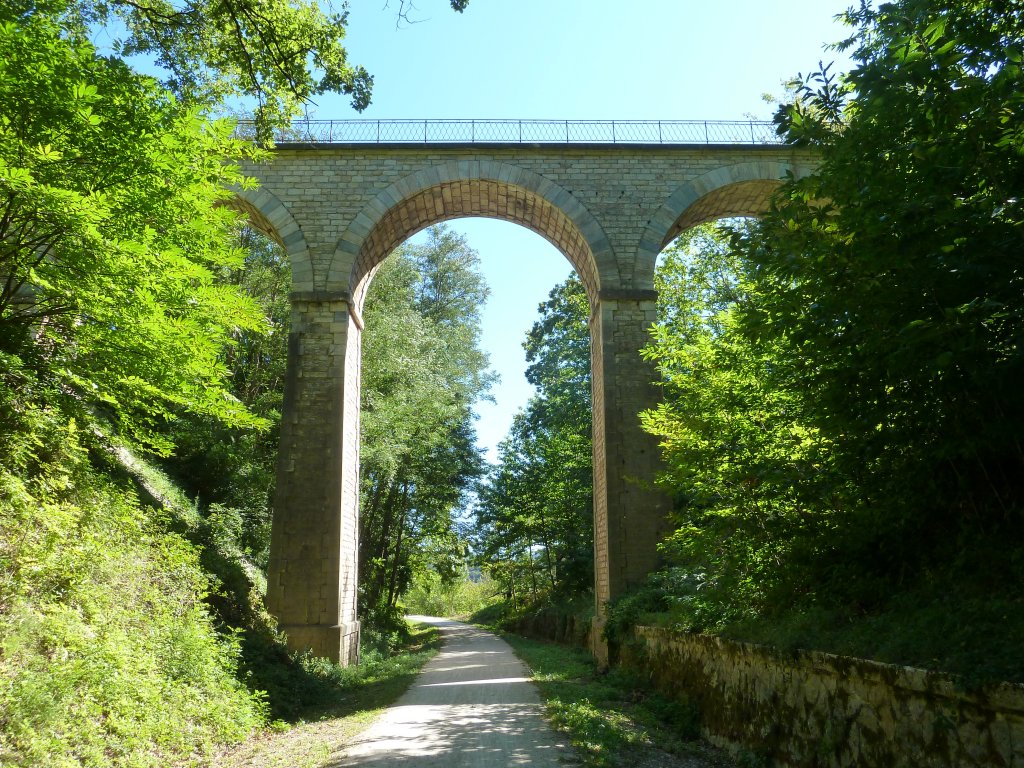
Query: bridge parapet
[(587, 132)]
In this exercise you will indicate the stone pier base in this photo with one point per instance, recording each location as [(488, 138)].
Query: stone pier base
[(338, 643), (598, 643)]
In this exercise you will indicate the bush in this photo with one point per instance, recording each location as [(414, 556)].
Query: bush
[(429, 595), (108, 654)]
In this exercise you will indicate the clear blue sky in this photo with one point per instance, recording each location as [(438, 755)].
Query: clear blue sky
[(573, 59)]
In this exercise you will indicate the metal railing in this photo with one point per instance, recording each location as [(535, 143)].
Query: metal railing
[(522, 132)]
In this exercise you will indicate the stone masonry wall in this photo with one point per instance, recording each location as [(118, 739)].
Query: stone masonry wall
[(339, 210), (633, 195), (311, 576), (630, 515), (816, 709)]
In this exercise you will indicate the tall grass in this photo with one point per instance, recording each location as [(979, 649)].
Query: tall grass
[(108, 653)]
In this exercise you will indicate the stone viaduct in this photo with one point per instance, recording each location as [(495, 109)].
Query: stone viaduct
[(339, 209)]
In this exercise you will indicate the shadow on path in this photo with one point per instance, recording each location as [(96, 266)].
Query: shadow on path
[(472, 706)]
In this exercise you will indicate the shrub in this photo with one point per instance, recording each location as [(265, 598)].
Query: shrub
[(108, 655), (430, 595)]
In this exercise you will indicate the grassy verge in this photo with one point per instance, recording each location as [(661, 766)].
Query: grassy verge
[(613, 719), (976, 639), (356, 696)]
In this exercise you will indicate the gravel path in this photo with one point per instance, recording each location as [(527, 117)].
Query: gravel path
[(472, 706)]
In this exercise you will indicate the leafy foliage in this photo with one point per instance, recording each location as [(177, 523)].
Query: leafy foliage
[(110, 241), (910, 301), (127, 321), (108, 654), (422, 372), (228, 470), (279, 53), (742, 464), (534, 516), (112, 318), (842, 417)]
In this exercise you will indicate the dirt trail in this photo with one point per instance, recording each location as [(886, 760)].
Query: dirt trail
[(472, 706)]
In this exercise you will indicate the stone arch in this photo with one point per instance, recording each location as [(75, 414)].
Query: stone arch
[(472, 188), (742, 189), (271, 218)]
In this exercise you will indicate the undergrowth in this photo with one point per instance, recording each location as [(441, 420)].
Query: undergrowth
[(135, 635), (294, 686), (109, 655), (612, 719)]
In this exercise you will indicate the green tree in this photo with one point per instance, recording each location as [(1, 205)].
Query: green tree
[(842, 420), (280, 54), (111, 239), (231, 470), (422, 372), (892, 277), (534, 517), (740, 463)]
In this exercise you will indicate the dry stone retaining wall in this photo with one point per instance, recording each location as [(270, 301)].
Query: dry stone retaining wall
[(818, 710)]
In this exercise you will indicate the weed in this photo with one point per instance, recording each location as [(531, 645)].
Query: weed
[(613, 719)]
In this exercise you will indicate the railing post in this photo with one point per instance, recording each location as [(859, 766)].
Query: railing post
[(520, 131), (378, 131), (472, 131), (424, 131), (752, 141), (613, 131), (566, 131), (706, 139), (659, 133)]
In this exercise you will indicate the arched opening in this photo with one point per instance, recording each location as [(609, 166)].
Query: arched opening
[(409, 511), (269, 217), (487, 198), (743, 199), (477, 198), (257, 220), (312, 585), (739, 190), (714, 405), (724, 199)]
